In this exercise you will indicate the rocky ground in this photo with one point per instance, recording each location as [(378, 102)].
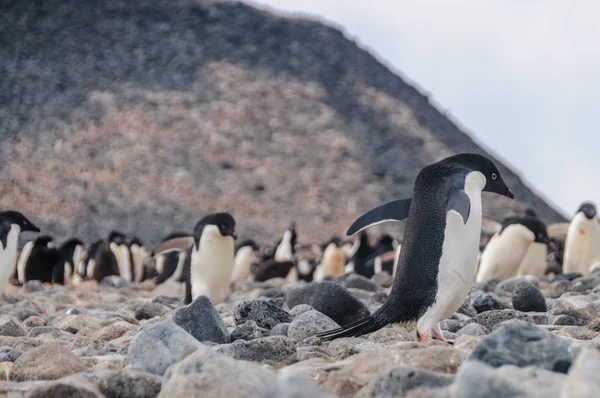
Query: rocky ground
[(519, 338)]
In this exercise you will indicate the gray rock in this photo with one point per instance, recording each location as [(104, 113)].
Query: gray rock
[(273, 348), (482, 301), (150, 310), (169, 301), (202, 320), (33, 287), (310, 323), (158, 346), (566, 320), (539, 318), (558, 288), (528, 298), (293, 386), (450, 325), (34, 321), (73, 311), (264, 313), (478, 380), (331, 299), (65, 387), (399, 381), (280, 330), (507, 287), (248, 331), (583, 307), (523, 344), (583, 380), (46, 362), (25, 313), (300, 309), (8, 354), (10, 326), (490, 319), (585, 284), (357, 281), (116, 282), (467, 309), (383, 279), (56, 333), (273, 292), (129, 384), (472, 329)]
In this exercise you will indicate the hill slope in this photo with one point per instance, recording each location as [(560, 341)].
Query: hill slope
[(145, 115)]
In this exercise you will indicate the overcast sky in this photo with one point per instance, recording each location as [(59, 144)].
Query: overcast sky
[(521, 76)]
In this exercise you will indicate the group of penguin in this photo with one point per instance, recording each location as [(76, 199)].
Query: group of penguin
[(434, 266)]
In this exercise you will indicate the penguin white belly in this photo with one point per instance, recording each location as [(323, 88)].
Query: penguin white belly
[(504, 253), (458, 263), (534, 262), (23, 258), (212, 265), (331, 265), (581, 245), (284, 250), (8, 256), (121, 253), (137, 253), (243, 263)]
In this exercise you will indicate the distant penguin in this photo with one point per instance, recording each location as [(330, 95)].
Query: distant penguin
[(437, 263), (37, 261), (245, 256), (171, 257), (385, 252), (271, 269), (285, 249), (582, 243), (120, 249), (12, 223), (71, 253), (87, 264), (211, 258), (361, 254), (139, 256), (519, 248), (105, 256), (332, 264)]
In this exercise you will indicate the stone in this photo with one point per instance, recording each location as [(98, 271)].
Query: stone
[(558, 288), (158, 346), (467, 309), (169, 301), (472, 329), (594, 325), (33, 287), (507, 287), (53, 332), (280, 330), (64, 388), (300, 309), (273, 348), (576, 332), (522, 344), (566, 320), (399, 381), (383, 279), (482, 301), (273, 292), (528, 298), (330, 299), (46, 362), (450, 325), (34, 321), (202, 320), (75, 323), (583, 380), (583, 307), (476, 379), (293, 386), (10, 326), (8, 354), (357, 281), (248, 331), (114, 331), (264, 313), (150, 310), (540, 382), (129, 384), (490, 319), (310, 323), (73, 311), (117, 282)]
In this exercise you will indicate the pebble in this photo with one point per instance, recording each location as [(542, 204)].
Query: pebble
[(10, 326), (129, 384), (8, 354), (490, 319), (357, 281), (400, 380), (117, 282), (583, 380), (472, 329), (273, 348), (46, 362), (476, 379), (293, 386), (310, 323), (528, 298), (249, 331), (482, 301), (150, 310), (264, 313), (300, 309), (202, 320), (280, 330)]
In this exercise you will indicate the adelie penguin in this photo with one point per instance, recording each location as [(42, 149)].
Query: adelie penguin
[(71, 253), (12, 223), (582, 243), (38, 260), (438, 260)]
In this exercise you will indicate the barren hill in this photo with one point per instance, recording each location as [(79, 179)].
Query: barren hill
[(145, 115)]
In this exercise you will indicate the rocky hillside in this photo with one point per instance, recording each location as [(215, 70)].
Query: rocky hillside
[(145, 115)]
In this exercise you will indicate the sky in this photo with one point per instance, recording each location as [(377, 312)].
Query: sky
[(522, 77)]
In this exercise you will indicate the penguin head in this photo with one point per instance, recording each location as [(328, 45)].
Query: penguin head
[(117, 237), (223, 222), (134, 240), (588, 209), (535, 225), (248, 243), (12, 217), (44, 240), (475, 162)]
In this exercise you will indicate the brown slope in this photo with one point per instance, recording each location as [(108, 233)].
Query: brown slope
[(145, 115)]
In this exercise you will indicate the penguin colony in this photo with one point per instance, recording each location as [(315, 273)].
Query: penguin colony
[(441, 254)]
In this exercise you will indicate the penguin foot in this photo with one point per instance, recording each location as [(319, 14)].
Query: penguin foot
[(422, 337), (441, 338)]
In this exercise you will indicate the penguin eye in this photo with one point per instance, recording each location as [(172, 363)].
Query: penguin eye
[(494, 176)]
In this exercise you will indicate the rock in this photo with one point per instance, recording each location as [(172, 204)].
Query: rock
[(482, 301), (169, 301), (273, 292), (248, 331), (558, 288), (8, 354), (114, 331), (280, 330), (264, 313), (594, 325), (75, 323), (53, 332), (490, 319), (73, 311), (202, 320), (467, 309), (310, 323), (10, 326), (450, 325), (583, 380), (528, 298), (399, 381), (65, 387), (46, 362), (583, 307), (216, 375), (33, 287), (478, 380), (158, 346), (472, 329), (116, 281), (300, 309), (507, 287), (522, 344), (576, 332), (330, 299), (293, 386), (383, 279), (585, 283), (23, 314), (566, 320), (273, 348), (539, 382), (150, 310), (128, 383), (357, 281), (34, 321)]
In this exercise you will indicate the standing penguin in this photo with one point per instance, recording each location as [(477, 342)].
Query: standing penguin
[(71, 253), (438, 260), (510, 251), (582, 244), (245, 256), (120, 249), (12, 223), (333, 262), (285, 248), (37, 260), (139, 255), (210, 264)]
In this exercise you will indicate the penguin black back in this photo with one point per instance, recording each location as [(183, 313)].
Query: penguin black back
[(42, 259)]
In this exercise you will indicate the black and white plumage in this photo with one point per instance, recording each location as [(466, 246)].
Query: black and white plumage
[(12, 223), (71, 253), (438, 260), (37, 261), (582, 242)]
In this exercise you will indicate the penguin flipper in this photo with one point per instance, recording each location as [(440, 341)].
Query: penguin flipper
[(396, 210), (4, 230), (459, 201)]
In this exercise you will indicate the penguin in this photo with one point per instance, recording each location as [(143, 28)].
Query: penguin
[(245, 256), (209, 266), (108, 257), (360, 254), (38, 260), (71, 253), (582, 243), (520, 247), (87, 264), (333, 262), (170, 257), (437, 263), (12, 223), (139, 256), (285, 248), (120, 249), (272, 268)]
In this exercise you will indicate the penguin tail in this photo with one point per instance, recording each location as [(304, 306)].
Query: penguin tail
[(363, 326)]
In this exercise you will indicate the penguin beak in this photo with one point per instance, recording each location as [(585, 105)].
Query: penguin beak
[(31, 228), (234, 235), (510, 194)]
